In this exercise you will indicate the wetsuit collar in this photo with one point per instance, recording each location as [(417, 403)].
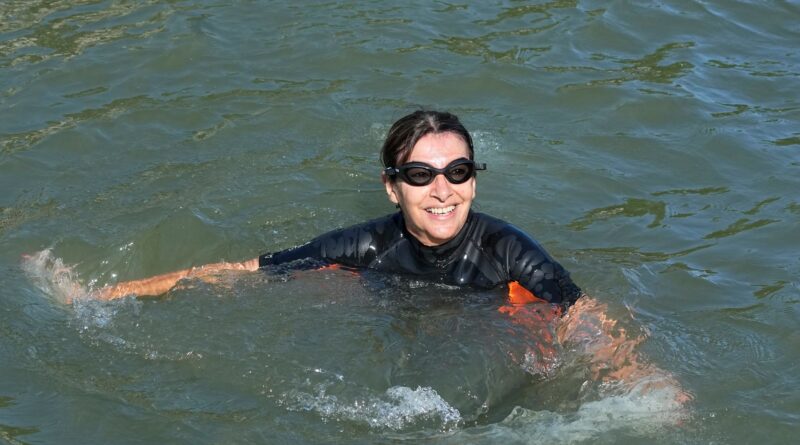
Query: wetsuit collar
[(442, 254)]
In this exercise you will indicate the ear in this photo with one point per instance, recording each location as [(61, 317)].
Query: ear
[(474, 187), (390, 191)]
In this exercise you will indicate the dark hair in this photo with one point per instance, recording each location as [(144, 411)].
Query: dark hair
[(405, 133)]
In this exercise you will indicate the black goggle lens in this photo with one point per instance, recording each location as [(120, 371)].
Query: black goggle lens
[(417, 175), (460, 173)]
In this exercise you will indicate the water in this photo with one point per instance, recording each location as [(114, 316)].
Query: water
[(651, 147)]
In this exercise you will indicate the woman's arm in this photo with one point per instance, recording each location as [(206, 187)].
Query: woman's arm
[(612, 354), (159, 284), (587, 328)]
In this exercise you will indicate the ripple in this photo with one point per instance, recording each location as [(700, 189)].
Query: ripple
[(194, 129), (648, 69), (757, 208), (11, 433), (24, 211), (767, 290), (794, 140), (741, 225), (632, 207), (61, 29), (633, 256), (16, 142), (700, 191), (737, 109), (695, 272), (87, 92), (522, 11)]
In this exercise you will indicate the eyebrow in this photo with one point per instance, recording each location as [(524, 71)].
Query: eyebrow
[(426, 163)]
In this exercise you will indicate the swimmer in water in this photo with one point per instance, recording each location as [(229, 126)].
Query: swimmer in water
[(430, 175)]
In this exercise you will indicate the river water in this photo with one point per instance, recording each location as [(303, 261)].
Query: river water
[(652, 147)]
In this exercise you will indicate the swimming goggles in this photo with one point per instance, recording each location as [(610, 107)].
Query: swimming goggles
[(419, 173)]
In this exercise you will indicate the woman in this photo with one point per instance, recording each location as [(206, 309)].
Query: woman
[(429, 173)]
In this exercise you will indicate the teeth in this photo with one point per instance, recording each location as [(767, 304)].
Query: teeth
[(440, 210)]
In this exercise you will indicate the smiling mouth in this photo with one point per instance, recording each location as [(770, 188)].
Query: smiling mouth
[(440, 210)]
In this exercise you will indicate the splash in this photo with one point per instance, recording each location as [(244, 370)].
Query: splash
[(399, 408), (622, 392), (61, 283), (642, 412), (541, 361), (55, 279)]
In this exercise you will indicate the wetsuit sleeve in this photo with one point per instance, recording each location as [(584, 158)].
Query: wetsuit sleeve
[(352, 246), (532, 267)]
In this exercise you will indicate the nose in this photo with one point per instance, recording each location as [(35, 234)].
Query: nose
[(441, 189)]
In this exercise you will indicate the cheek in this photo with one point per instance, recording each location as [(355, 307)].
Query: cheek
[(467, 191), (409, 195)]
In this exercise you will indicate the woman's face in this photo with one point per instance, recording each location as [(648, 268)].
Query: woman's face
[(436, 212)]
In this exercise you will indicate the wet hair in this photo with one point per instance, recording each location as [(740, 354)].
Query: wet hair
[(405, 133)]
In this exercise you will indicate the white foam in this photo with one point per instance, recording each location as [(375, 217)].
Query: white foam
[(53, 277), (93, 313), (643, 411), (397, 409), (537, 363), (485, 142), (61, 283)]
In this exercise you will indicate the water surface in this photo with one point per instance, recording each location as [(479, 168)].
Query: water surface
[(651, 147)]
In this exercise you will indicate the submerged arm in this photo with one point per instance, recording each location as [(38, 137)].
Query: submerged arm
[(612, 355), (587, 327), (160, 284)]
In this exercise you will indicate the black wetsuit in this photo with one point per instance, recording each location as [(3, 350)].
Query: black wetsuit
[(486, 253)]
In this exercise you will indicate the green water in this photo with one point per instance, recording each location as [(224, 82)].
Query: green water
[(652, 147)]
